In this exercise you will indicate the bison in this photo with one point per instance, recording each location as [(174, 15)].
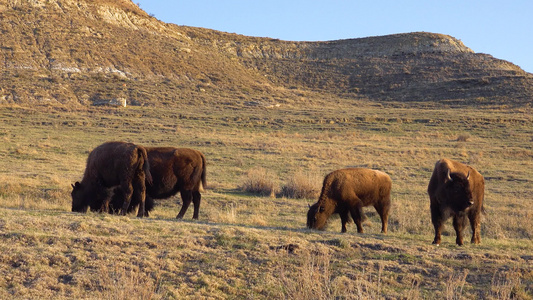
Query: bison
[(109, 165), (456, 190), (347, 191), (173, 170)]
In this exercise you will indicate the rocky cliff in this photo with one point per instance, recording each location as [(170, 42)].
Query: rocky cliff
[(82, 52)]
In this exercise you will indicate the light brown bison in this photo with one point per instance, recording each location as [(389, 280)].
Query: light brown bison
[(173, 170), (109, 165), (347, 191), (456, 190)]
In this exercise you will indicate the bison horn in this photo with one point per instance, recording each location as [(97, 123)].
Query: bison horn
[(448, 176), (468, 175)]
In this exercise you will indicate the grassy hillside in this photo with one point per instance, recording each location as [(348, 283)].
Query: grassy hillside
[(251, 246), (77, 53)]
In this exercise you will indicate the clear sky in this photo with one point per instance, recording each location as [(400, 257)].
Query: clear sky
[(503, 29)]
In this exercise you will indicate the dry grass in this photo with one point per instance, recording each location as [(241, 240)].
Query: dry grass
[(236, 249), (47, 255), (301, 186), (463, 137), (259, 181)]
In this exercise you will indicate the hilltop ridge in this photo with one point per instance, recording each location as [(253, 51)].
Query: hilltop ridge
[(395, 44), (80, 52)]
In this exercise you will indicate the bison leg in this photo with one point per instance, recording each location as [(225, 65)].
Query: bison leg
[(344, 220), (475, 225), (106, 199), (148, 205), (126, 198), (186, 197), (196, 198), (357, 216), (139, 193), (459, 221), (383, 211), (438, 222), (105, 207), (438, 230)]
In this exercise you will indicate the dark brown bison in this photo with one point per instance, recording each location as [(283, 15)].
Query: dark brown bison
[(109, 165), (347, 191), (456, 190), (173, 170)]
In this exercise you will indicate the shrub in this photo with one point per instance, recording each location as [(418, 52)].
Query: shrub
[(301, 186), (463, 137), (259, 181)]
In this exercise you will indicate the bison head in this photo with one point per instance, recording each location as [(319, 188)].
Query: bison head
[(93, 195), (79, 202), (317, 216), (458, 191)]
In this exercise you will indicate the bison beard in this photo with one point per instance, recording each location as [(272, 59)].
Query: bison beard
[(456, 190), (108, 165), (346, 192), (173, 170)]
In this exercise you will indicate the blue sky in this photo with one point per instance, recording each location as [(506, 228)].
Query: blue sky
[(503, 29)]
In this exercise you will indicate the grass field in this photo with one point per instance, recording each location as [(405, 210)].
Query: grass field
[(256, 246)]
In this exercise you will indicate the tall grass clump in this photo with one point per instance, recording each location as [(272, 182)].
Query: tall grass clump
[(301, 186), (113, 279), (463, 137), (315, 278), (507, 286), (454, 285), (259, 181)]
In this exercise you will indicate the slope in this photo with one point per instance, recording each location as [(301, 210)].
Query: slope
[(81, 52)]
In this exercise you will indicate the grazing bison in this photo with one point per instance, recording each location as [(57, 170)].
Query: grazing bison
[(456, 190), (347, 191), (173, 170), (108, 165)]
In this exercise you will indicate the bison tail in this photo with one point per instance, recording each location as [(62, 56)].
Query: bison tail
[(146, 165), (204, 173)]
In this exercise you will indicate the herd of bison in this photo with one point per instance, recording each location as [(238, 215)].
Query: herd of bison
[(119, 177)]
